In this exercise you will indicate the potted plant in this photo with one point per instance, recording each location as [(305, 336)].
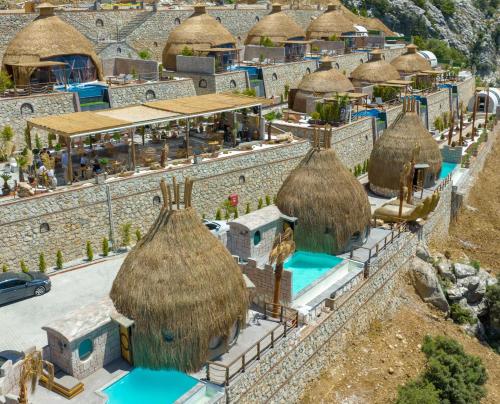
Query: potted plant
[(6, 187)]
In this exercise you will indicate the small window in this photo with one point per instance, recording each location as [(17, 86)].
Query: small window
[(155, 44), (232, 84), (257, 18), (337, 66), (308, 71), (150, 95), (242, 179), (27, 109), (118, 50), (257, 238), (156, 200), (85, 349), (168, 336), (44, 228), (177, 21), (218, 19), (99, 23), (274, 76), (202, 83), (361, 61)]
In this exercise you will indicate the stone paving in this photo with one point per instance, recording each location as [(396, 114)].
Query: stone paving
[(21, 322)]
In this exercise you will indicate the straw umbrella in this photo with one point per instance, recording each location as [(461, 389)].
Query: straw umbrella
[(396, 147), (334, 21), (283, 247), (181, 287), (410, 62), (376, 70), (331, 205)]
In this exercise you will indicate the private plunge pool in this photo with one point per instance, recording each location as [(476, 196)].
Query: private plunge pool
[(308, 267), (446, 168), (149, 386)]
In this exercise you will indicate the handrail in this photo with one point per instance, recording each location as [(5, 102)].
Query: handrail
[(288, 320)]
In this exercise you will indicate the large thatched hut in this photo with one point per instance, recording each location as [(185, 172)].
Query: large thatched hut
[(330, 204), (183, 290), (200, 31), (376, 70), (324, 82), (277, 26), (410, 62), (405, 140), (49, 50), (334, 21)]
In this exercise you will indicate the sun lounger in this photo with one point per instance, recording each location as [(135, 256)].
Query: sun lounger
[(65, 385)]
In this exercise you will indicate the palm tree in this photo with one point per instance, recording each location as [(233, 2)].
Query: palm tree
[(22, 163), (283, 247), (31, 371)]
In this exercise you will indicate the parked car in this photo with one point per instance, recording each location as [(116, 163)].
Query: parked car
[(18, 285), (216, 226), (14, 356)]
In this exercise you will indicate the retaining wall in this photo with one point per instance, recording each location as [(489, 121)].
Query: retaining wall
[(437, 104)]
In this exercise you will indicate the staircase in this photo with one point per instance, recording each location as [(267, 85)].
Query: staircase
[(131, 25)]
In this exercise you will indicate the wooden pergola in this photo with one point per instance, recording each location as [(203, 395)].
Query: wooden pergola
[(82, 124)]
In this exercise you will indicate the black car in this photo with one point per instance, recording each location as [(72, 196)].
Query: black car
[(18, 285)]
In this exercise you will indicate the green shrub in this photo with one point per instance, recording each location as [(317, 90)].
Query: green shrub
[(227, 215), (5, 268), (247, 210), (90, 252), (5, 81), (145, 54), (493, 301), (268, 200), (105, 247), (260, 204), (461, 315), (42, 265), (126, 237), (386, 93), (417, 392), (187, 51), (447, 7), (23, 265), (476, 264), (236, 215), (59, 260), (218, 215), (138, 235)]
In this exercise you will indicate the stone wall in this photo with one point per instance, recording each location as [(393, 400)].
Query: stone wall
[(438, 224), (131, 94), (452, 154), (275, 77), (16, 111), (392, 114), (230, 81), (92, 212), (437, 104), (466, 90)]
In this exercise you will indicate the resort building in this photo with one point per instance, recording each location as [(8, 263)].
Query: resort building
[(50, 51), (411, 62), (324, 82), (200, 35), (376, 70), (332, 23), (406, 141)]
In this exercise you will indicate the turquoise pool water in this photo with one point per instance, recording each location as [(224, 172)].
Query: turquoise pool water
[(307, 267), (446, 168), (149, 386)]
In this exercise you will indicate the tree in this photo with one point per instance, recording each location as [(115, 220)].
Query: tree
[(218, 214), (260, 204), (283, 247), (417, 392), (22, 164), (59, 260), (236, 215), (138, 235), (270, 117), (493, 301), (268, 200), (5, 81), (126, 239), (42, 265), (145, 54), (24, 267), (5, 268), (105, 247), (32, 369), (247, 210)]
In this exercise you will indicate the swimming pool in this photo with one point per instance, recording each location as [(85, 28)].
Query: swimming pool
[(149, 386), (446, 168), (306, 267), (85, 90)]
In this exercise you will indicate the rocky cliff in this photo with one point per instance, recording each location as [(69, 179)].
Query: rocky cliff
[(471, 26)]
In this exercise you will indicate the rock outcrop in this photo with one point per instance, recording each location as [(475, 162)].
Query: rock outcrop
[(427, 284)]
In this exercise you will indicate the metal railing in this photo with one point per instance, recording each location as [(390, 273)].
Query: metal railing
[(29, 89), (220, 373)]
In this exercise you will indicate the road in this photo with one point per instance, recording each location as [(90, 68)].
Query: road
[(21, 322)]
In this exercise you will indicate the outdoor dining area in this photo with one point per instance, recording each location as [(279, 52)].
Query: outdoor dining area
[(150, 136)]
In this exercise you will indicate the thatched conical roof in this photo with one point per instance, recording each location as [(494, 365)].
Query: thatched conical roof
[(199, 31), (375, 70), (334, 21), (277, 26), (411, 61), (367, 22), (329, 202), (181, 287), (324, 82), (46, 37), (396, 147)]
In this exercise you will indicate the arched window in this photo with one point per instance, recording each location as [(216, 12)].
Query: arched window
[(155, 44), (177, 21), (337, 66), (274, 77), (156, 200), (361, 61), (118, 50), (150, 95), (27, 109), (202, 83), (99, 23), (44, 228), (257, 18), (232, 84), (85, 349), (242, 179), (257, 238), (218, 19), (308, 71)]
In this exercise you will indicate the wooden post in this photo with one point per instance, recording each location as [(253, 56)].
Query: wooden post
[(450, 132), (70, 163), (474, 117), (486, 106), (132, 148), (460, 138), (187, 137)]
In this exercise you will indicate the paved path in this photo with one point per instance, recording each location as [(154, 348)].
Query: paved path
[(21, 321)]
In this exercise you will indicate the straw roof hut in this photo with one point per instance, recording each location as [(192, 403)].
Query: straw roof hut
[(324, 82), (182, 289), (277, 26), (410, 62), (330, 204), (397, 146), (375, 70), (370, 23), (199, 31), (334, 21), (43, 39)]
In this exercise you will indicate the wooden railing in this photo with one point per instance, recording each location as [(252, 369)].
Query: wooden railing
[(220, 373)]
